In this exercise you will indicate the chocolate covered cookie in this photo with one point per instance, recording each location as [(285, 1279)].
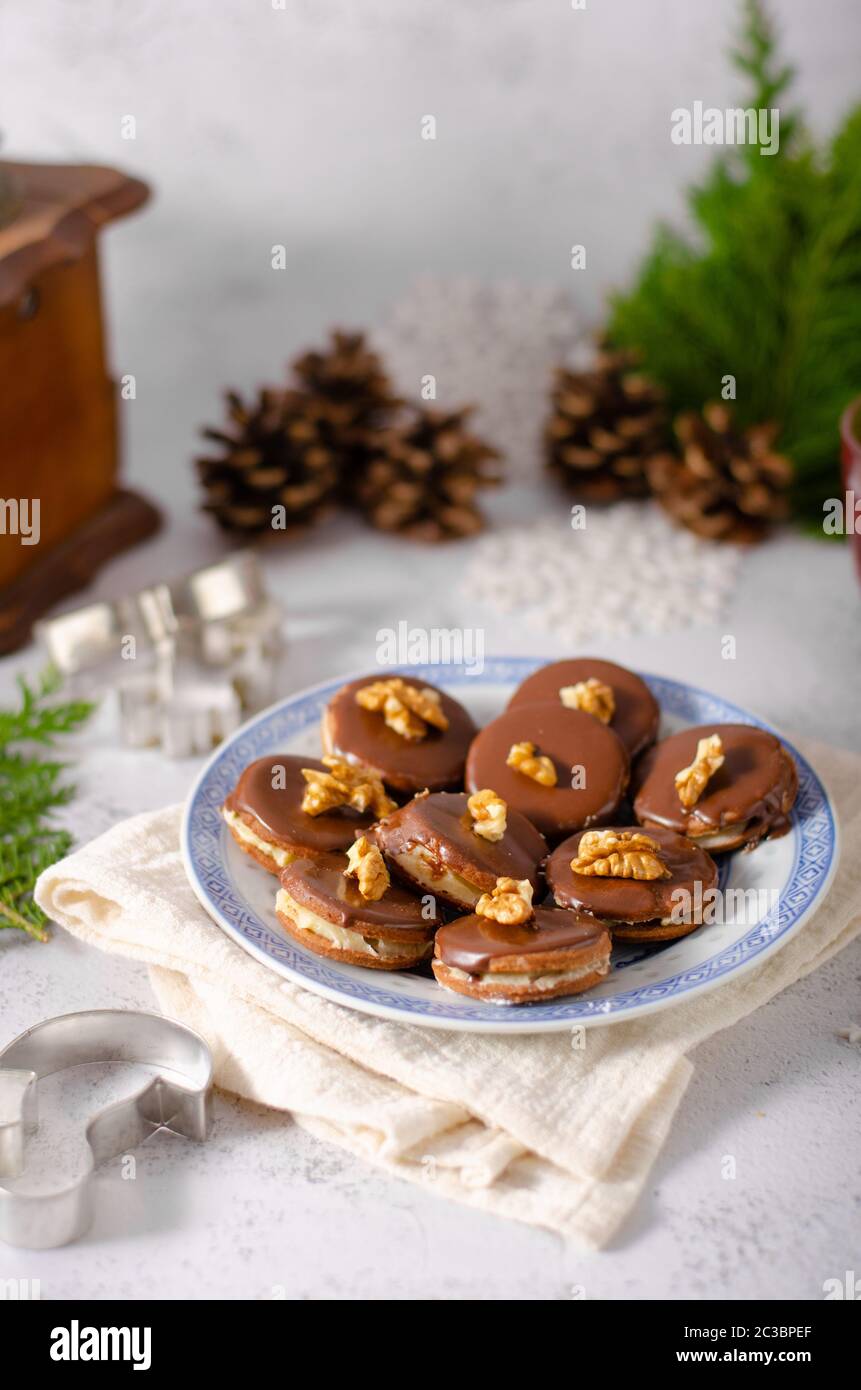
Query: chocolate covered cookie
[(642, 886), (410, 734), (274, 815), (723, 785), (609, 692), (562, 769), (456, 846), (342, 907), (554, 953)]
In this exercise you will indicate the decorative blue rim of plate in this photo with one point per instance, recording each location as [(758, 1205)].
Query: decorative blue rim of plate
[(815, 859)]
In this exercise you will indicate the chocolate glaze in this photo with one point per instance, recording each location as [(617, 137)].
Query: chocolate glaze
[(471, 943), (636, 715), (568, 737), (321, 886), (630, 899), (279, 813), (441, 823), (362, 736), (758, 782)]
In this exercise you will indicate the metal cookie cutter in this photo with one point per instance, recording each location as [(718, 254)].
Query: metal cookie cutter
[(178, 1100), (181, 660)]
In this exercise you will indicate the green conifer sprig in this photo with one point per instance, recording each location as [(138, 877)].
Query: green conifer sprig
[(31, 790), (769, 289), (756, 56)]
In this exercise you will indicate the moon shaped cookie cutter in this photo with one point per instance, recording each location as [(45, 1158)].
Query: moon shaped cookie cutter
[(179, 1099)]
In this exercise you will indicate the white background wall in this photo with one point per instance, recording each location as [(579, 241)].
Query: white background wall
[(302, 126)]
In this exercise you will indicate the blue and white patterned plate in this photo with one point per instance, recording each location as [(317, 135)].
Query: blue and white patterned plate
[(784, 880)]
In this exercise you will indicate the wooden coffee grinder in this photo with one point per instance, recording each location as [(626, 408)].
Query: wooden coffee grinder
[(62, 511)]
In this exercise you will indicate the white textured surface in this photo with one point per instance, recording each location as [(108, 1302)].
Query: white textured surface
[(265, 1207), (663, 578)]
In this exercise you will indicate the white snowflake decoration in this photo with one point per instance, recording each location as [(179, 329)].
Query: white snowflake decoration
[(629, 570)]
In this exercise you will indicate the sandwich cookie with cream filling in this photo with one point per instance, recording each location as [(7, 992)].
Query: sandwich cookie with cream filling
[(345, 907), (641, 885), (608, 692), (284, 806), (457, 846), (723, 785), (509, 953), (562, 769), (410, 734)]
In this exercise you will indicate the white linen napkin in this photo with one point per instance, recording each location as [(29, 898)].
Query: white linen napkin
[(527, 1127)]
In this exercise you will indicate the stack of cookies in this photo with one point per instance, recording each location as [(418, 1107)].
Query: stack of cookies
[(509, 858)]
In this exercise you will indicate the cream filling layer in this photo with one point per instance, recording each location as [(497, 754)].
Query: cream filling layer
[(422, 866), (718, 839), (342, 937), (611, 922), (715, 839), (281, 856), (514, 978)]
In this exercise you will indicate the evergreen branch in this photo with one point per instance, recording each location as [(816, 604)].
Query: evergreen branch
[(28, 789), (768, 290), (756, 58), (30, 793), (36, 722)]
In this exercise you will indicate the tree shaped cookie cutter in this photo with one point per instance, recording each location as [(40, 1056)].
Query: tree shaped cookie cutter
[(178, 1099)]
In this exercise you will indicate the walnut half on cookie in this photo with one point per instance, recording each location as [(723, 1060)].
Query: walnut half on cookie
[(368, 867), (691, 781), (509, 902), (408, 709), (524, 758), (489, 814), (344, 784), (592, 696), (619, 854)]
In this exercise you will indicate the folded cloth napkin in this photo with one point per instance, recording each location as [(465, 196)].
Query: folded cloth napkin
[(527, 1127)]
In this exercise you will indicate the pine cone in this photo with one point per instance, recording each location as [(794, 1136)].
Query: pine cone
[(349, 381), (605, 426), (729, 484), (422, 475), (277, 454)]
